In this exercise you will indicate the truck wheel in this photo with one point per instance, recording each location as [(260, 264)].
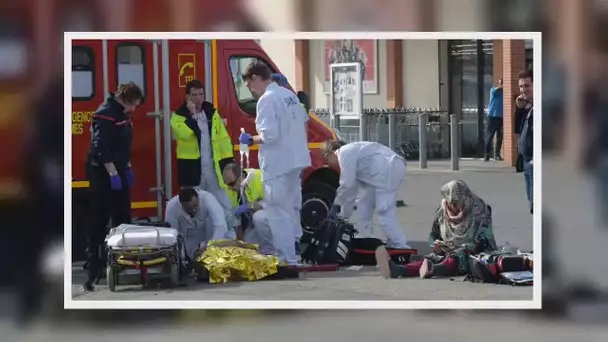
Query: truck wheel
[(317, 198)]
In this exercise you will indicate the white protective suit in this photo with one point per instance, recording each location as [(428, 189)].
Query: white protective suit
[(375, 173), (209, 222), (259, 230), (298, 207), (281, 123), (209, 180)]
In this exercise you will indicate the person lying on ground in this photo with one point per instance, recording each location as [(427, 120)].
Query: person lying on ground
[(198, 217), (462, 227)]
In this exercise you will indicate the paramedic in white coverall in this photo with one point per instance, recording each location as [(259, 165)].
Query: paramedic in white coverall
[(374, 172), (198, 217), (281, 80), (283, 154)]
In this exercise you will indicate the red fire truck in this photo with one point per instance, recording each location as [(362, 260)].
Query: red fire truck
[(162, 68)]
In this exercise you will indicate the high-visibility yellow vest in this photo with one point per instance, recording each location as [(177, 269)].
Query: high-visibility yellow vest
[(188, 148), (254, 189)]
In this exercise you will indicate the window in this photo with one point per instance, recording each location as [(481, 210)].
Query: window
[(529, 58), (130, 62), (238, 64), (83, 71)]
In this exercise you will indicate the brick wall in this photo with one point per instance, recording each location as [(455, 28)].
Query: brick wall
[(394, 72), (302, 48), (513, 63), (497, 60)]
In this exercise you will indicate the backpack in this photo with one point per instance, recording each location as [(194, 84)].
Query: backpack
[(330, 244)]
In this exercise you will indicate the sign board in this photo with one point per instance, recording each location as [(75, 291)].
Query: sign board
[(346, 90), (187, 68)]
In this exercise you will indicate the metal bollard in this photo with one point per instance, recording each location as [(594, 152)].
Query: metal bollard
[(379, 121), (363, 127), (454, 142), (392, 131), (422, 119), (335, 122)]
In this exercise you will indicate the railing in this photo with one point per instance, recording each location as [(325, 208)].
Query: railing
[(399, 129)]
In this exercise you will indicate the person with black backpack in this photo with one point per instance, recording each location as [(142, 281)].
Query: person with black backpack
[(462, 227)]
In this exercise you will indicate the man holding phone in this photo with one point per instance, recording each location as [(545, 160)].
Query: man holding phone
[(524, 126), (203, 147)]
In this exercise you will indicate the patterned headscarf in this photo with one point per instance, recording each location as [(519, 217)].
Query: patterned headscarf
[(473, 213), (280, 79)]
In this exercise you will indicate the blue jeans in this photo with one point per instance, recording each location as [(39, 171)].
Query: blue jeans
[(529, 178)]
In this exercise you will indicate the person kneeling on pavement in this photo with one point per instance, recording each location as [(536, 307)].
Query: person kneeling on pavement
[(375, 172), (250, 189), (462, 227), (198, 217)]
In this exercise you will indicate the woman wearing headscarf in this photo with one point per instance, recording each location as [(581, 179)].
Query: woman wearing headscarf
[(462, 227)]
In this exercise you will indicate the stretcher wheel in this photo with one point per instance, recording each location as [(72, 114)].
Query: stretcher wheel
[(111, 278), (174, 273)]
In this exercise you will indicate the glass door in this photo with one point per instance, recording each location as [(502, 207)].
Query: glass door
[(470, 74)]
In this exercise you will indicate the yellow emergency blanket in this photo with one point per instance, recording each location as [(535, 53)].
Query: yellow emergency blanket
[(235, 260)]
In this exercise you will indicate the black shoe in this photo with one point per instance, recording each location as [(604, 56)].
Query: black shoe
[(498, 158), (486, 159), (284, 272), (88, 286)]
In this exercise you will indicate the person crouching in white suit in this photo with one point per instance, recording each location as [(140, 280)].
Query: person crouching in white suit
[(375, 173), (198, 217)]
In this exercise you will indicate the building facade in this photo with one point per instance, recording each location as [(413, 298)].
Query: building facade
[(455, 76)]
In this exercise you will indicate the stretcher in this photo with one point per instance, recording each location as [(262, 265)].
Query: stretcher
[(139, 254)]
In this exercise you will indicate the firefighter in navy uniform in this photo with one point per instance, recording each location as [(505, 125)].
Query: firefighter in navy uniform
[(108, 169)]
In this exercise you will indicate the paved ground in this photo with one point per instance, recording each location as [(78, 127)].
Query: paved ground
[(499, 186)]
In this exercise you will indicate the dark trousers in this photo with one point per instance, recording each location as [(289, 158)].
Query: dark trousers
[(106, 204), (495, 127), (529, 179)]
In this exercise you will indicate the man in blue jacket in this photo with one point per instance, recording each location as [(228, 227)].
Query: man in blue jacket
[(495, 122)]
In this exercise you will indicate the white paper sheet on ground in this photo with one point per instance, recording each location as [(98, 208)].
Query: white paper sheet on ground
[(355, 268), (519, 276), (127, 235)]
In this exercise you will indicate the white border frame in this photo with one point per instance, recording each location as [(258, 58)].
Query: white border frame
[(375, 88), (358, 105), (535, 303)]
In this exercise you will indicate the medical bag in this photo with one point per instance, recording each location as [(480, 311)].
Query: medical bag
[(330, 243), (363, 252), (500, 268)]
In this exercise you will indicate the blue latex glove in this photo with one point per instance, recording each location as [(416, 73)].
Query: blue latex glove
[(130, 177), (246, 138), (241, 209), (280, 79), (333, 212), (115, 182)]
